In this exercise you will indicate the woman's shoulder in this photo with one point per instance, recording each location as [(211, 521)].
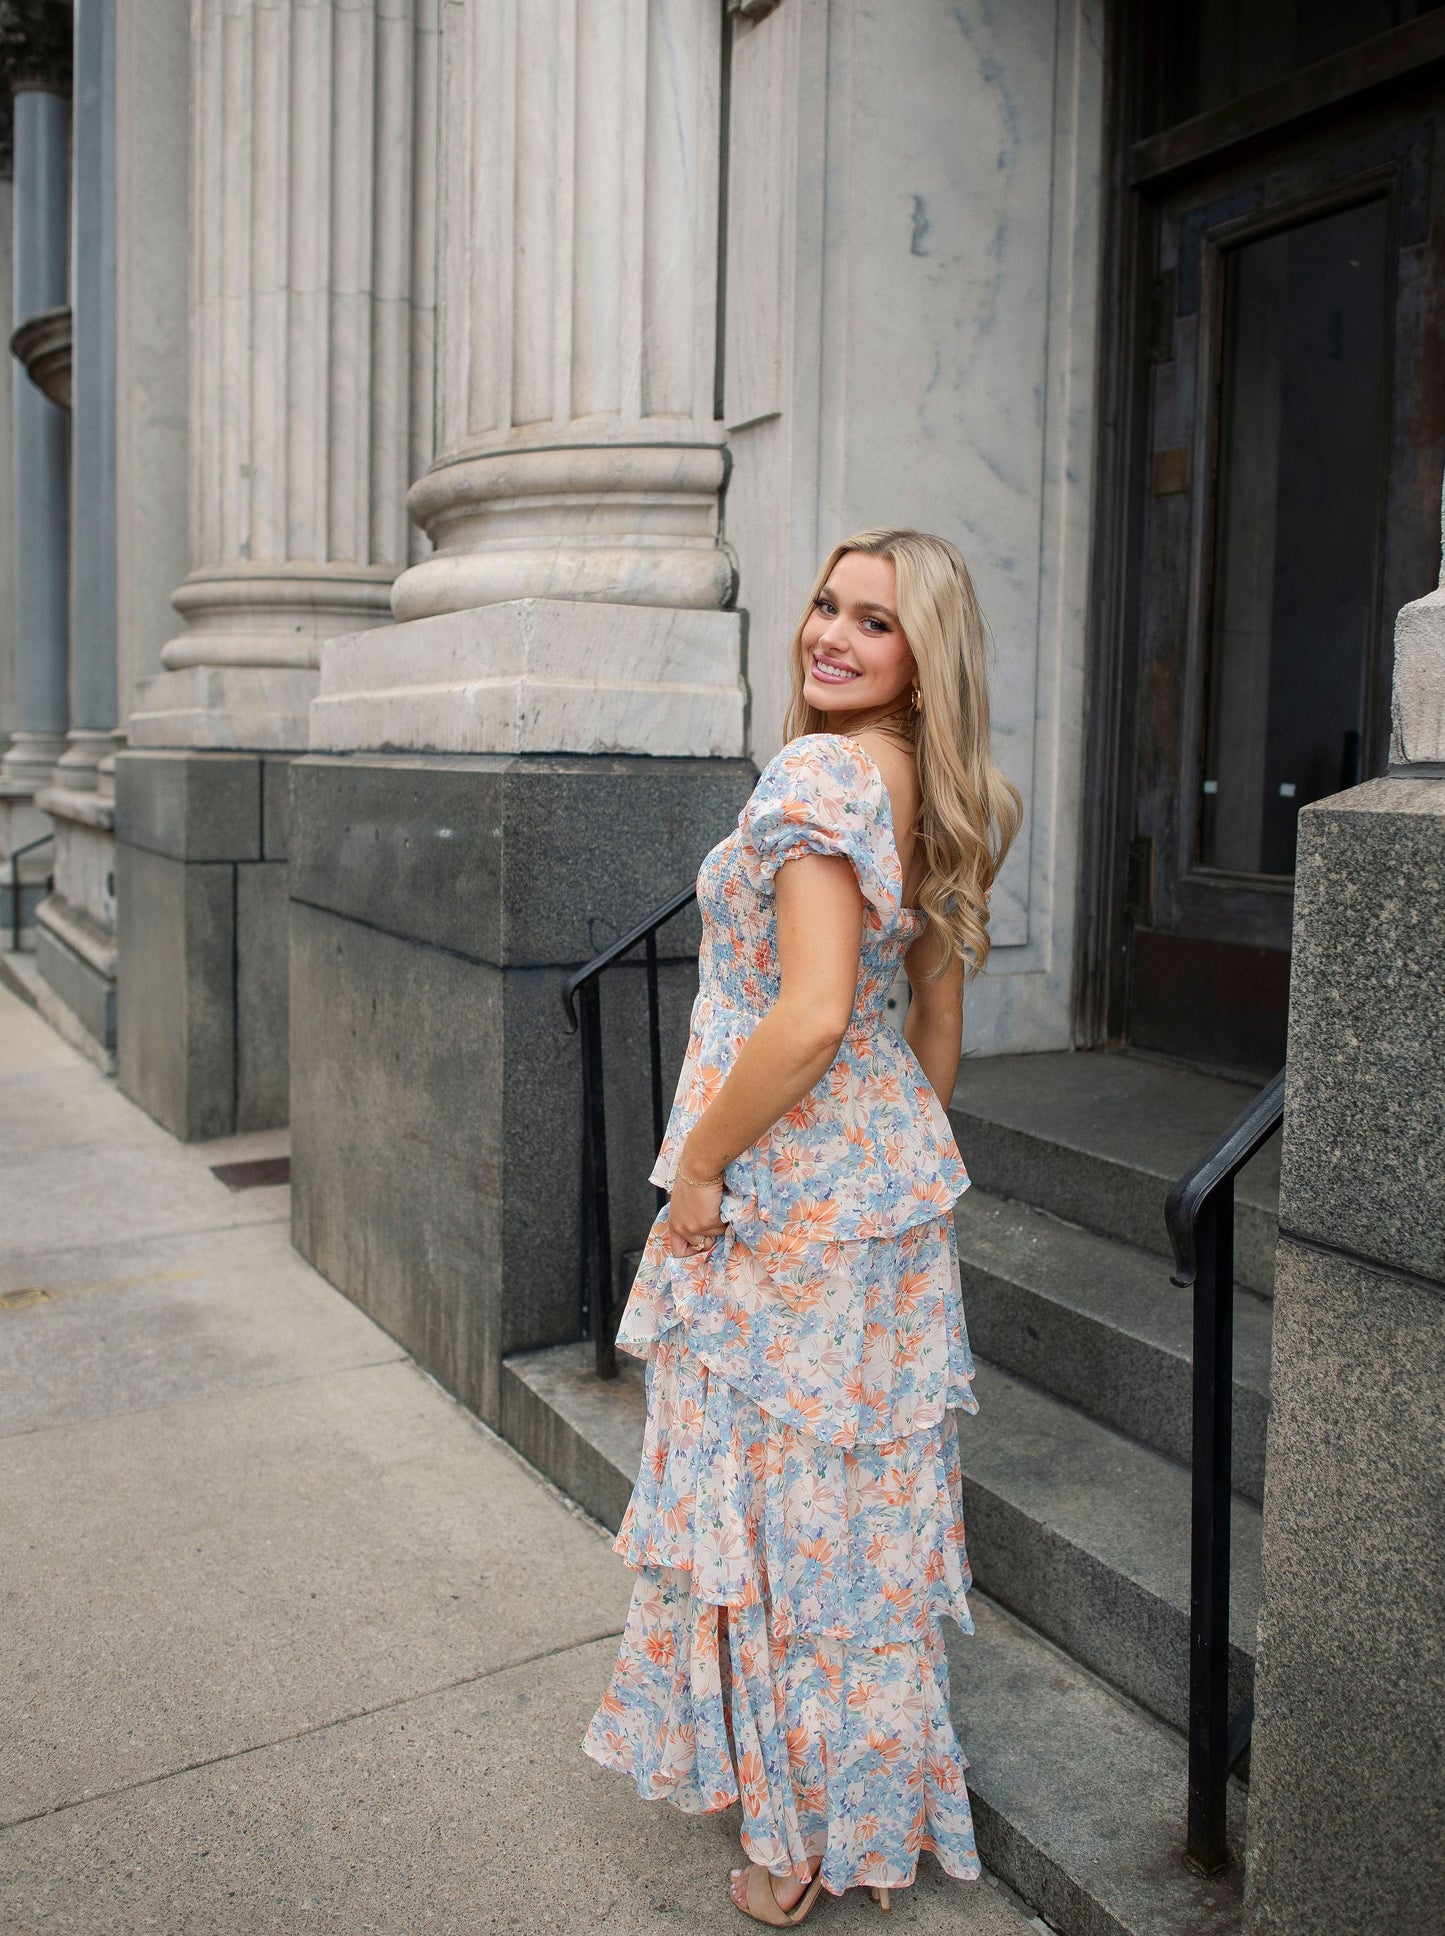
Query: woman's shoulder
[(835, 760)]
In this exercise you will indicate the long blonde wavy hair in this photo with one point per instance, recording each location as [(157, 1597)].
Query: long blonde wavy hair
[(969, 812)]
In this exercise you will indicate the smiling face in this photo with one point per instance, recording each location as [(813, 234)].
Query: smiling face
[(857, 664)]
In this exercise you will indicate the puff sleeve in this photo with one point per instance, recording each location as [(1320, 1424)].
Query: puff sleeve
[(823, 795)]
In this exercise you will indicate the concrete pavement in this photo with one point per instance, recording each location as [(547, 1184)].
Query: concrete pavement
[(288, 1641)]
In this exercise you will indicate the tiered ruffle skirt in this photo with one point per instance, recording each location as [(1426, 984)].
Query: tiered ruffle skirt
[(783, 1648)]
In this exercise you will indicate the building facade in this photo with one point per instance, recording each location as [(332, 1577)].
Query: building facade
[(427, 417)]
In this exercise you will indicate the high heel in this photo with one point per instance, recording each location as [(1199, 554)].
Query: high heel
[(763, 1905), (882, 1898)]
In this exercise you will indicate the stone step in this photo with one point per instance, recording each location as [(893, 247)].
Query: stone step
[(1078, 1794), (1084, 1534), (1098, 1137), (1098, 1322)]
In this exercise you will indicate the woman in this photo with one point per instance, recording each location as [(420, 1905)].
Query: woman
[(796, 1526)]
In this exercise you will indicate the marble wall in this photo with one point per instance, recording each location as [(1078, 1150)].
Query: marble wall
[(912, 258)]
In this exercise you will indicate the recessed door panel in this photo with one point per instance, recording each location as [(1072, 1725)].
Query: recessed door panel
[(1288, 504)]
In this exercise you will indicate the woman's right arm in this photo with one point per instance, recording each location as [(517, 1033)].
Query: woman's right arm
[(819, 930)]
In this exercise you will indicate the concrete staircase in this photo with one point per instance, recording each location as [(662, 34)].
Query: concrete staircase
[(1071, 1696)]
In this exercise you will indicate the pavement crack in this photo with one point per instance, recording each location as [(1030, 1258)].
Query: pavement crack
[(321, 1727)]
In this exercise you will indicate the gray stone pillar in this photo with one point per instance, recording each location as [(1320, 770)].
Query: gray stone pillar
[(553, 736), (309, 233), (41, 432), (92, 406), (75, 926), (7, 452), (1344, 1825)]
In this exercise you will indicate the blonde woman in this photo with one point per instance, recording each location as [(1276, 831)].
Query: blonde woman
[(796, 1527)]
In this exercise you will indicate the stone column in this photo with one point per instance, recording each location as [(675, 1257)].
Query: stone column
[(1349, 1736), (7, 451), (551, 737), (92, 407), (36, 42), (75, 924), (304, 251), (577, 451), (301, 235)]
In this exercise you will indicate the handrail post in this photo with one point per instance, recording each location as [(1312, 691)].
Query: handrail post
[(1206, 1844), (596, 1215), (654, 1049)]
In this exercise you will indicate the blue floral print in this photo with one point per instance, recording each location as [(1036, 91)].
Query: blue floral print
[(797, 1528)]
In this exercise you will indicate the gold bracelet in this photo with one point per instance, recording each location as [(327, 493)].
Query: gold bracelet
[(698, 1182)]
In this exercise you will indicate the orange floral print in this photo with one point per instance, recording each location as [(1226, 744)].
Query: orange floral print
[(800, 1461)]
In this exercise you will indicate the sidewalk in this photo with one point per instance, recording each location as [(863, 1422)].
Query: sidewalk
[(288, 1641)]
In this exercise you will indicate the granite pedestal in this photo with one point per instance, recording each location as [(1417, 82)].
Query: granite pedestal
[(201, 938), (438, 905), (1349, 1739)]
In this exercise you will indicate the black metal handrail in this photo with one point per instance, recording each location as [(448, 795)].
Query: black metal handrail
[(598, 1317), (1199, 1213), (15, 885)]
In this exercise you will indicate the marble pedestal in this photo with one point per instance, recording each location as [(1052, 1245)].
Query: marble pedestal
[(201, 934), (75, 924), (1349, 1734), (438, 904), (22, 822)]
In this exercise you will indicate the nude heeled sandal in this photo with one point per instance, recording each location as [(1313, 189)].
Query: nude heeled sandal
[(763, 1905)]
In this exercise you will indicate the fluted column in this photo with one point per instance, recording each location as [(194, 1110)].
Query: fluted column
[(301, 327), (93, 478), (36, 46), (577, 452)]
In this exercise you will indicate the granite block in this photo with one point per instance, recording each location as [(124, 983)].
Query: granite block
[(262, 984), (175, 1010), (1364, 1133), (189, 806), (397, 1139), (514, 861), (435, 1083), (275, 806), (88, 994), (1349, 1734)]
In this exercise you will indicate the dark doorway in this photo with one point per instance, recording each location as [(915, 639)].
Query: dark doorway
[(1271, 481)]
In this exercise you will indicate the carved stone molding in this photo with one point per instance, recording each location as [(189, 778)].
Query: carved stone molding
[(43, 346)]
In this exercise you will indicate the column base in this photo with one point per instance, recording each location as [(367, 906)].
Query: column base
[(75, 924), (201, 938), (30, 760), (232, 708), (438, 905), (536, 675)]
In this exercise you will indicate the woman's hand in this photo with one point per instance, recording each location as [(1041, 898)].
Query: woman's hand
[(693, 1222)]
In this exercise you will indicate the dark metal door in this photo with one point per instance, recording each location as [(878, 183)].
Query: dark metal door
[(1287, 492)]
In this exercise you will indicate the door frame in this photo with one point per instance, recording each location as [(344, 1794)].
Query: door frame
[(1133, 167)]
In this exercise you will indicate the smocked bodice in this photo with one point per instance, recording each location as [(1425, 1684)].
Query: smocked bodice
[(869, 1150)]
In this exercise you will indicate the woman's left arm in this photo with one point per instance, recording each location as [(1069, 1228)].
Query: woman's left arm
[(820, 932)]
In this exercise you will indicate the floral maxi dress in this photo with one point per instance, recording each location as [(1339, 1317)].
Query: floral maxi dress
[(800, 1470)]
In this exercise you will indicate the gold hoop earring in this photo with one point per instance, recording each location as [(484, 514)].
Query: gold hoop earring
[(917, 701)]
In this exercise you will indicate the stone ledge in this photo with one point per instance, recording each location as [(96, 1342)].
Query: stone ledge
[(80, 932), (505, 679), (233, 709), (86, 809)]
